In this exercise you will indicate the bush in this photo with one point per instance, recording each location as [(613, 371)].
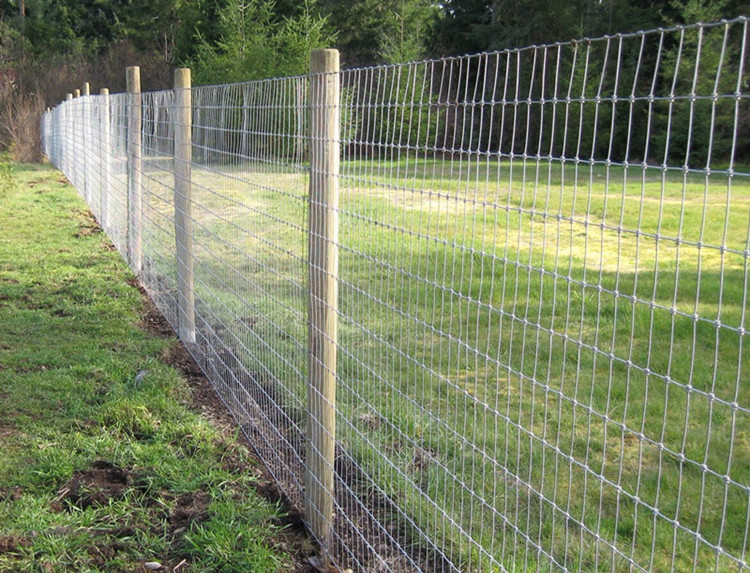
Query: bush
[(29, 86), (20, 115)]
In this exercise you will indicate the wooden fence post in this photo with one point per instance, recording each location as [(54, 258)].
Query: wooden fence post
[(66, 136), (183, 205), (323, 287), (85, 144), (73, 175), (135, 198), (105, 152)]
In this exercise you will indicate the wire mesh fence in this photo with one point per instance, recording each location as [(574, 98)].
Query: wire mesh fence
[(542, 282)]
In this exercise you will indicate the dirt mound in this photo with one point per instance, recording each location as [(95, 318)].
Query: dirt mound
[(177, 356), (7, 493), (10, 544), (87, 224), (95, 486), (190, 509), (153, 320)]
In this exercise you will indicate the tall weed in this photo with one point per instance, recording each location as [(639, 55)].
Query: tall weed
[(7, 181)]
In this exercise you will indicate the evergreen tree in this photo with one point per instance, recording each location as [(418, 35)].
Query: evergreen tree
[(701, 131), (406, 29), (370, 31), (254, 44), (358, 29), (297, 35), (243, 49)]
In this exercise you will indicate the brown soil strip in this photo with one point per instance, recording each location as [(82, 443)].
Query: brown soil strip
[(293, 539)]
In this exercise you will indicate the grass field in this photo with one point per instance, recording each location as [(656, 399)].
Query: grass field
[(541, 365), (104, 463)]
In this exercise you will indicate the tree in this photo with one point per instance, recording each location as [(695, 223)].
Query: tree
[(10, 45), (370, 31), (701, 131), (253, 43), (464, 28), (358, 29), (69, 26), (299, 34), (472, 26), (406, 29)]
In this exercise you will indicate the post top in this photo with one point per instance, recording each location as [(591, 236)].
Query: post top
[(182, 78), (133, 79), (322, 61)]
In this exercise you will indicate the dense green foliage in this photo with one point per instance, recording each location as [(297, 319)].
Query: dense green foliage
[(479, 25), (367, 32), (254, 43), (51, 45)]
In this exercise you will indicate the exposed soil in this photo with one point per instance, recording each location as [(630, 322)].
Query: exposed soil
[(190, 509), (10, 544), (104, 482), (12, 494), (87, 225), (97, 485), (152, 320)]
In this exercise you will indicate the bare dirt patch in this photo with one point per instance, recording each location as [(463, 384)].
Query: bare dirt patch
[(152, 320), (356, 496), (190, 509), (97, 485), (87, 225), (10, 494), (10, 544)]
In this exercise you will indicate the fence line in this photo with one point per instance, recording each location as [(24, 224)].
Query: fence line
[(543, 276)]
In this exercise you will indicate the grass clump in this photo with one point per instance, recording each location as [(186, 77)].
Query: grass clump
[(103, 466)]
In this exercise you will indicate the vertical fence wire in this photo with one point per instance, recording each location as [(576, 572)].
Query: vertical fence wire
[(543, 294)]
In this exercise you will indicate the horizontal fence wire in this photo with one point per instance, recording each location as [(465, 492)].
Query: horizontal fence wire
[(544, 261)]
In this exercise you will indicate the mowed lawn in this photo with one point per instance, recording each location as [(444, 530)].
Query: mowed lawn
[(105, 464), (541, 365)]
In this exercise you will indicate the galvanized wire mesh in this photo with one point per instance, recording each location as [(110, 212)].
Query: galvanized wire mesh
[(543, 283)]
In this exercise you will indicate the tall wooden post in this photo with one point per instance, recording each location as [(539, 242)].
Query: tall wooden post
[(85, 144), (105, 150), (75, 128), (183, 204), (135, 198), (67, 134), (244, 149), (323, 286)]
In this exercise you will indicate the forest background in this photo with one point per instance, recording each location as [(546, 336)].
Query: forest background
[(48, 47)]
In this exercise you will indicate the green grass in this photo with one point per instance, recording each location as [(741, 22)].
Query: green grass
[(70, 350), (489, 376)]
